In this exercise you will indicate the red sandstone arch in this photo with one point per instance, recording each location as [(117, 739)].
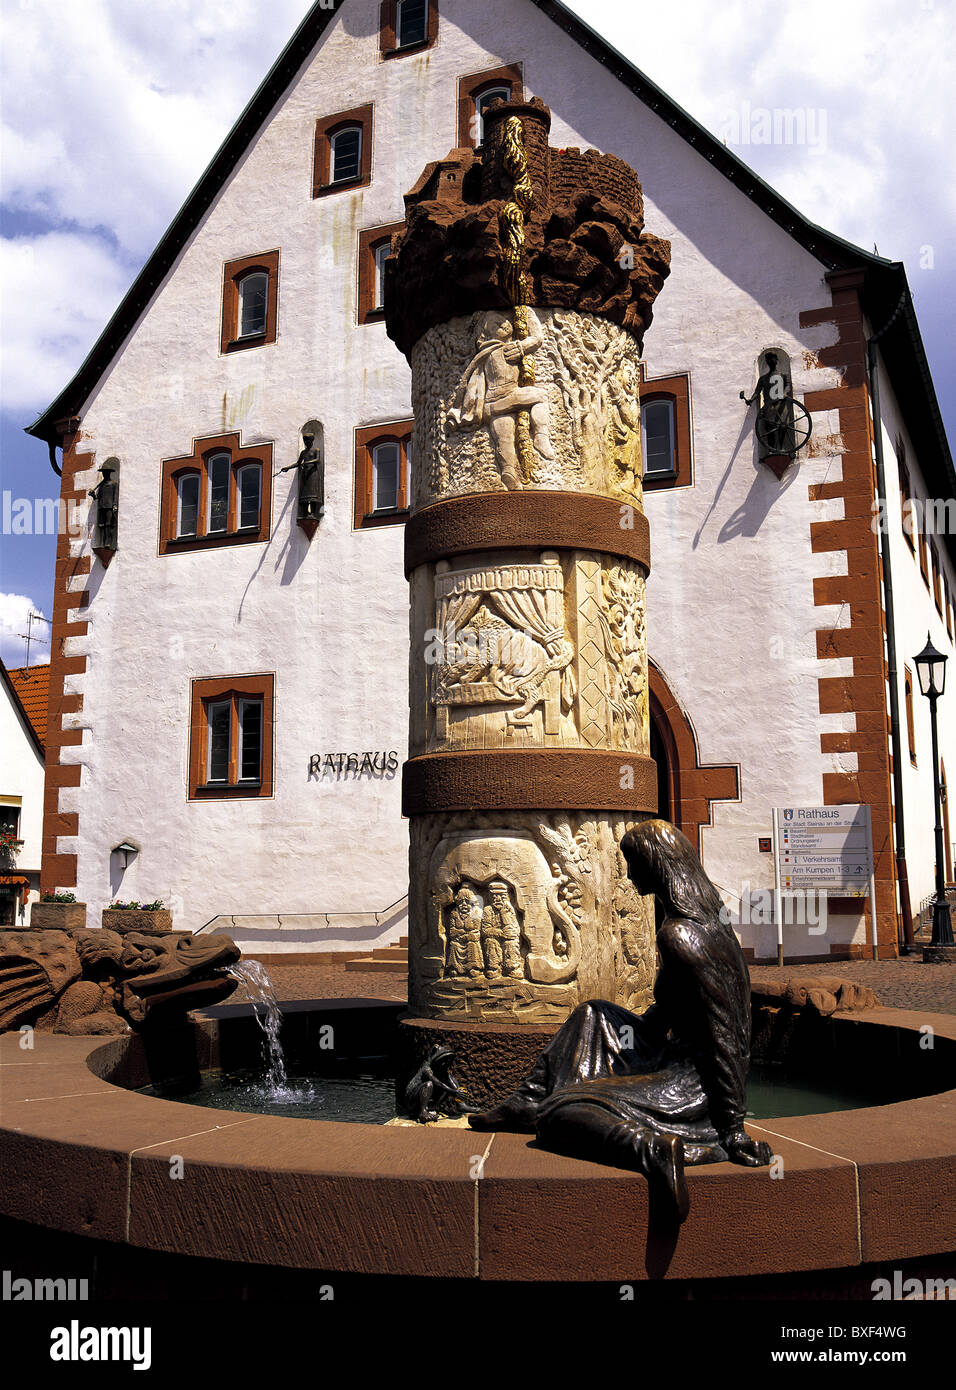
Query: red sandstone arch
[(693, 786)]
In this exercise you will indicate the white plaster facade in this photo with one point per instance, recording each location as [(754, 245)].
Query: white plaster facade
[(731, 619), (917, 615)]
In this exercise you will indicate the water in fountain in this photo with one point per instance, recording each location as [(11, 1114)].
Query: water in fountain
[(274, 1086)]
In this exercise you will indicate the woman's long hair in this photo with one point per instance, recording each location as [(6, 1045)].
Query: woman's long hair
[(683, 887)]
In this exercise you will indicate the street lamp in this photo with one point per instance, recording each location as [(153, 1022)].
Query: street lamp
[(931, 670)]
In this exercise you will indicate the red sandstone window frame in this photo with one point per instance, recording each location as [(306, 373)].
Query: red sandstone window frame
[(937, 578), (675, 389), (470, 89), (211, 691), (366, 438), (388, 26), (175, 469), (906, 498), (234, 272), (369, 241), (910, 721), (327, 127), (920, 521)]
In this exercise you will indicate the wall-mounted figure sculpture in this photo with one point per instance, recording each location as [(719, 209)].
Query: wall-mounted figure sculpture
[(782, 425), (310, 466), (106, 526), (652, 1092)]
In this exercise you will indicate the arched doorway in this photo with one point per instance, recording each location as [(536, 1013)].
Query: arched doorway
[(660, 756), (686, 787)]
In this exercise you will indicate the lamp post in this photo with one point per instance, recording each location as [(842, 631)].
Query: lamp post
[(931, 670)]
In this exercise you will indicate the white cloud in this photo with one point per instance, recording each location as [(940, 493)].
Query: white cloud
[(881, 71), (57, 291), (15, 610), (112, 109), (111, 112)]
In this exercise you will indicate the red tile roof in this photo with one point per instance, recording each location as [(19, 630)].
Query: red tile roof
[(32, 684)]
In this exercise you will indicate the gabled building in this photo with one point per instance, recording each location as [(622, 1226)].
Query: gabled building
[(23, 707), (229, 673)]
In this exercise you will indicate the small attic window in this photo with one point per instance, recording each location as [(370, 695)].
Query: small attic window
[(412, 22), (253, 304), (408, 26), (666, 432), (250, 302), (482, 102), (375, 243), (474, 94), (346, 154), (342, 157)]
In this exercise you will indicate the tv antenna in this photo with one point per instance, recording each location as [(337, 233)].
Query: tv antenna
[(28, 636)]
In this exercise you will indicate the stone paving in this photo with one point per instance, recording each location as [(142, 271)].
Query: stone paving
[(903, 984)]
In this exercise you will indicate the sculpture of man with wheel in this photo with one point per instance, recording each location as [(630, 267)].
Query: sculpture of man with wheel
[(783, 425)]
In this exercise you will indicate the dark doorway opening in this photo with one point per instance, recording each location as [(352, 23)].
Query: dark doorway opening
[(659, 754)]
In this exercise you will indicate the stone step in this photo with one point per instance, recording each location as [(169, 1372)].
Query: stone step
[(378, 967), (391, 953)]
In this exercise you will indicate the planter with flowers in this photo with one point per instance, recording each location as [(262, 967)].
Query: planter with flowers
[(58, 912), (153, 918)]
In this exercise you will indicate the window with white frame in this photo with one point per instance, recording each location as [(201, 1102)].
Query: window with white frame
[(346, 154), (231, 737), (218, 499), (386, 476), (249, 486), (382, 478), (253, 304), (482, 101), (218, 468), (411, 22), (187, 505), (382, 252), (657, 428), (233, 740)]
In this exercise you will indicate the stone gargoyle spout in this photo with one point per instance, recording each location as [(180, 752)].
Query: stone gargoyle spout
[(102, 982)]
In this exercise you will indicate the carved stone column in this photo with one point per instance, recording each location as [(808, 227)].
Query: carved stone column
[(520, 290)]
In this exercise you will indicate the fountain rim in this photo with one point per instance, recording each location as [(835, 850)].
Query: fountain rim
[(858, 1185)]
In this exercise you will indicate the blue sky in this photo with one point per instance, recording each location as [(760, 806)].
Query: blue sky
[(112, 109)]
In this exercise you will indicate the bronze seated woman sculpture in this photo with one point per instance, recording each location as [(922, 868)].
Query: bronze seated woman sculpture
[(655, 1091)]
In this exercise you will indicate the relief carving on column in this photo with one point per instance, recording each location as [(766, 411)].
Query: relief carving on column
[(578, 401), (525, 916), (503, 656), (623, 621), (532, 652)]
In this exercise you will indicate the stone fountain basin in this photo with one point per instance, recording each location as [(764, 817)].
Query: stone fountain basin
[(82, 1153)]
